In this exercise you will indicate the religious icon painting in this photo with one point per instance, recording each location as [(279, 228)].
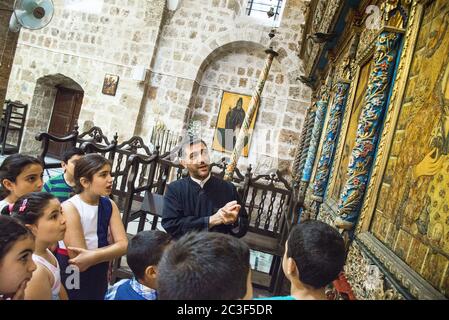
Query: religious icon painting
[(110, 84), (232, 112)]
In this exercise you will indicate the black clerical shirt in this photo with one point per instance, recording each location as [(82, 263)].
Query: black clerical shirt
[(187, 206)]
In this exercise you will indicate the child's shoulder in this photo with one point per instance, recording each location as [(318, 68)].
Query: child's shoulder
[(56, 179)]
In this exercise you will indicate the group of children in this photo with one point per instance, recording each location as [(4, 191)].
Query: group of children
[(74, 211)]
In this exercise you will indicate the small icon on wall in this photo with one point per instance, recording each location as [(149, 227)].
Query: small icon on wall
[(110, 84)]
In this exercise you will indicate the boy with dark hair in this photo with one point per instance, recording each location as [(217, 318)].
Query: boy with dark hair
[(205, 266), (314, 256), (61, 186), (145, 250)]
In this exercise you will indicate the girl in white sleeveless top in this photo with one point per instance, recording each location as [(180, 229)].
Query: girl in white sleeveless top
[(95, 232), (42, 214)]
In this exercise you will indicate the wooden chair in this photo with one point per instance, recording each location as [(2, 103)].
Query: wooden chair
[(138, 181), (46, 138), (96, 136), (12, 122), (268, 200), (123, 151)]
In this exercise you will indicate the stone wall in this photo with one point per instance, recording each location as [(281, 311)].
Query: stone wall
[(180, 50), (275, 134), (84, 46), (203, 35)]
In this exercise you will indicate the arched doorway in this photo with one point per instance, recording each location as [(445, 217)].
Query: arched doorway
[(55, 108)]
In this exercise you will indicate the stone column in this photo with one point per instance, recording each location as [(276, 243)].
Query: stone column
[(253, 104), (369, 128), (329, 145)]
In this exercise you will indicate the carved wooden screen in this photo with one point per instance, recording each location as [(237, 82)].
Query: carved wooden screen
[(411, 214), (341, 163)]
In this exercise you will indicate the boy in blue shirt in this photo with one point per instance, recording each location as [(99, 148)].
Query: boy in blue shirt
[(314, 256), (145, 250)]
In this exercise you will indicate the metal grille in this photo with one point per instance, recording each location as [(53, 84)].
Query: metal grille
[(259, 8)]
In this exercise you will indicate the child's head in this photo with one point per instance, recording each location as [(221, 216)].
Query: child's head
[(205, 265), (16, 248), (145, 250), (41, 213), (93, 174), (69, 159), (314, 255), (19, 175)]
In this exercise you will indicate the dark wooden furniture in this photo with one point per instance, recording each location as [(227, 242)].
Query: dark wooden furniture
[(268, 200), (139, 181), (94, 135), (12, 126), (47, 138)]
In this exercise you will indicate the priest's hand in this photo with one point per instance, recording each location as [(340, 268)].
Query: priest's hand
[(230, 213), (226, 215)]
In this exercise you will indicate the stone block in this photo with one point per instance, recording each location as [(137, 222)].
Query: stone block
[(268, 118), (289, 136), (279, 79)]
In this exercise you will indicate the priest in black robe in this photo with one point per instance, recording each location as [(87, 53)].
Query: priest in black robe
[(202, 202)]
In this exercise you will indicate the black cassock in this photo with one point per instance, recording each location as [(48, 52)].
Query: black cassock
[(187, 206)]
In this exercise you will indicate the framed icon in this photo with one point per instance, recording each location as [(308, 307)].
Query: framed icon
[(110, 84), (232, 112)]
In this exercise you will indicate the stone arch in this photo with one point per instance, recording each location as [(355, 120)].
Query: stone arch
[(285, 65), (225, 41), (41, 107), (233, 38)]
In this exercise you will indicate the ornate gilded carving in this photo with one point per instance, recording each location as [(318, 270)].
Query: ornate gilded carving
[(326, 214), (390, 7), (367, 43), (410, 280), (391, 118), (368, 129), (330, 138), (319, 14), (340, 138), (316, 133), (366, 279), (345, 66), (308, 137), (302, 143), (321, 23)]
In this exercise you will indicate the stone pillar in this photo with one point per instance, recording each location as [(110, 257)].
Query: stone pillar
[(329, 145), (369, 128), (253, 104)]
